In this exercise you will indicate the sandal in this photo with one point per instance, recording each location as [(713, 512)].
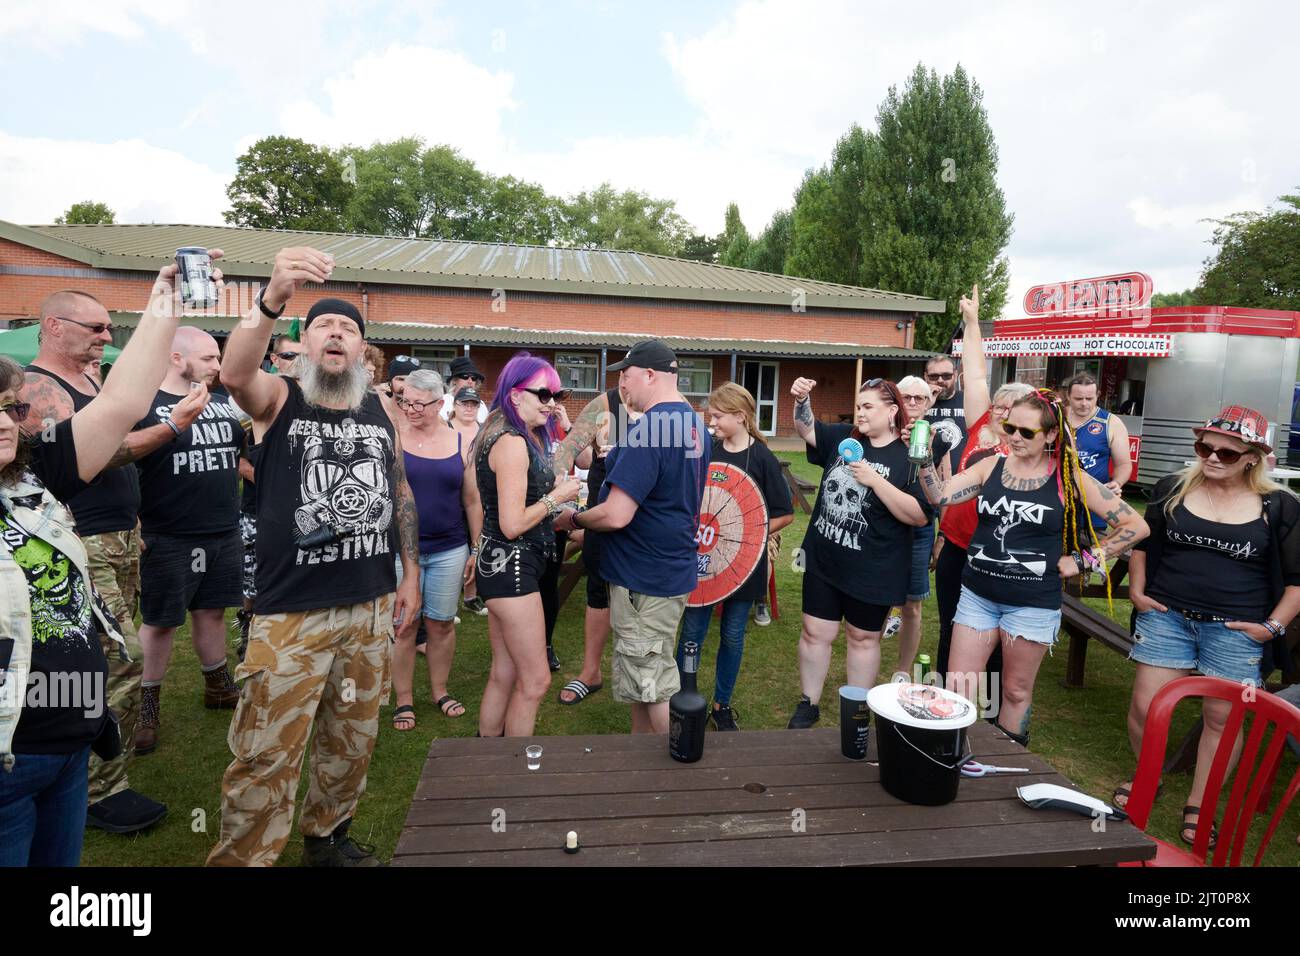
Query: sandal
[(1126, 792), (404, 718), (1182, 834), (447, 704), (579, 690)]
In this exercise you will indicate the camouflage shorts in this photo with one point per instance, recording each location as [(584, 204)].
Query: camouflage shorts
[(643, 667)]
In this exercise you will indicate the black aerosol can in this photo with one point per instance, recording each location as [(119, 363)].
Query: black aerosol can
[(687, 711)]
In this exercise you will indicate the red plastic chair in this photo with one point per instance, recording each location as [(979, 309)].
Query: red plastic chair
[(1246, 797)]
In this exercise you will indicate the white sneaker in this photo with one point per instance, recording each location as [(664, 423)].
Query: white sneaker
[(893, 624), (762, 616)]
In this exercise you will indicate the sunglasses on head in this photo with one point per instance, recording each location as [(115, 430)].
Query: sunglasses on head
[(1226, 456), (17, 410), (544, 395), (407, 358), (1026, 433)]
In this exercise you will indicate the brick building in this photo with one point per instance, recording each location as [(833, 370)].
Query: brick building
[(580, 309)]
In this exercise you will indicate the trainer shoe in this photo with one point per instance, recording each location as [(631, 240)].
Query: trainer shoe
[(762, 616), (477, 605), (338, 849), (724, 718), (893, 624), (805, 715), (125, 812)]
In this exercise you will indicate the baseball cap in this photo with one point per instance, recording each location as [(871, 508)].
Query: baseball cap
[(1240, 422), (467, 395), (648, 354), (402, 365)]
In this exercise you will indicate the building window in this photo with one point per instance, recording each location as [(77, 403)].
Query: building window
[(437, 358), (695, 376), (579, 371)]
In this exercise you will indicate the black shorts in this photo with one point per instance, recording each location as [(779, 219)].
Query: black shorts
[(597, 589), (823, 600), (180, 573), (505, 570)]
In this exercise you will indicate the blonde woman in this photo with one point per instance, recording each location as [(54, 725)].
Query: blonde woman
[(737, 441), (1217, 582)]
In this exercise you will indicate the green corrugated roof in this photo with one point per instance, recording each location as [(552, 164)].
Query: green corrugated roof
[(419, 332), (432, 262)]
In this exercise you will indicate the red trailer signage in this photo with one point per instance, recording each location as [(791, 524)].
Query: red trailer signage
[(1105, 295)]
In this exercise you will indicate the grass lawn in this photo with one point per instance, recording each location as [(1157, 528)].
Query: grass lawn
[(1080, 732)]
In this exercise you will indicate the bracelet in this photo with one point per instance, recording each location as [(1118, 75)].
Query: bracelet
[(1078, 559), (1273, 627), (1281, 628), (552, 509), (266, 311), (172, 425)]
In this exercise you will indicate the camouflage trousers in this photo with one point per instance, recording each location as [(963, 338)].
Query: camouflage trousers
[(327, 666), (113, 559)]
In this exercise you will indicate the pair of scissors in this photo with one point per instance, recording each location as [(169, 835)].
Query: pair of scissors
[(972, 768)]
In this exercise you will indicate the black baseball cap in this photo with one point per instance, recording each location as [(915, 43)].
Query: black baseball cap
[(651, 354), (467, 395), (402, 365)]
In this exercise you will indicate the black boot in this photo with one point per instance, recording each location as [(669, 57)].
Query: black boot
[(1022, 739), (337, 849)]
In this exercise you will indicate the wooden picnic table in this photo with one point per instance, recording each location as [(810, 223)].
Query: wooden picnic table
[(632, 805)]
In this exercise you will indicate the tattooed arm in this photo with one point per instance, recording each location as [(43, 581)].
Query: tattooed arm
[(957, 489), (1127, 526), (406, 606), (804, 423), (580, 437)]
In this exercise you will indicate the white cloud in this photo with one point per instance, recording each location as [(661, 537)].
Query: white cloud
[(40, 178), (405, 90)]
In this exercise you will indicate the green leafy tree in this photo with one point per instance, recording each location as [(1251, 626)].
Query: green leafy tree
[(828, 222), (513, 210), (1256, 263), (701, 248), (935, 221), (1162, 299), (87, 213), (607, 219), (285, 183), (404, 189), (768, 252), (733, 244)]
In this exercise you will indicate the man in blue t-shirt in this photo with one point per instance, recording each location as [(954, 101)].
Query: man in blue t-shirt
[(649, 506)]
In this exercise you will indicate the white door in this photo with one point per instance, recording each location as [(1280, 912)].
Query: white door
[(761, 381)]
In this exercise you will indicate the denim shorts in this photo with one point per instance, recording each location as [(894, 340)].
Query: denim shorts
[(918, 587), (1167, 639), (441, 574), (1037, 624)]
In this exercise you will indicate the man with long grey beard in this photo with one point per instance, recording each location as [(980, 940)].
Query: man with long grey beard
[(331, 483)]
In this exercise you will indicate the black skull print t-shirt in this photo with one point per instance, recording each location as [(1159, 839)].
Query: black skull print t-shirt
[(854, 542)]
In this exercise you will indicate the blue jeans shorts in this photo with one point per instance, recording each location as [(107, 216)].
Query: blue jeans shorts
[(1167, 639), (918, 586), (441, 574), (1037, 624)]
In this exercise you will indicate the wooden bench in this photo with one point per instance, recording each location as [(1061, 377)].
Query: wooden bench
[(1083, 624), (798, 487)]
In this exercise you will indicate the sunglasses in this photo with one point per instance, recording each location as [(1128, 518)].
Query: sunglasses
[(98, 328), (939, 376), (1026, 433), (1226, 456), (286, 356), (407, 358), (545, 395), (17, 410)]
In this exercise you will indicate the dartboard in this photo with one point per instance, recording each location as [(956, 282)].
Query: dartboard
[(731, 535)]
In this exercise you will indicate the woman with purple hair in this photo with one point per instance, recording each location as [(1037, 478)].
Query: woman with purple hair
[(510, 498)]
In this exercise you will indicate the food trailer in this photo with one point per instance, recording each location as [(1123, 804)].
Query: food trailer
[(1161, 370)]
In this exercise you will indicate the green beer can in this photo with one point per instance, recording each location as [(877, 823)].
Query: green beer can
[(918, 447)]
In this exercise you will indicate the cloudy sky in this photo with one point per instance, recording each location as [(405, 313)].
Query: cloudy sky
[(1121, 126)]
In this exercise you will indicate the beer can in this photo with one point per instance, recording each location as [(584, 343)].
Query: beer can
[(198, 290), (918, 448)]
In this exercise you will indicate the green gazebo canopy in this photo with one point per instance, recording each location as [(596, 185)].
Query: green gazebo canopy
[(21, 345)]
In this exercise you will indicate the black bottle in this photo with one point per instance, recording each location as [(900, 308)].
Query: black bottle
[(687, 712)]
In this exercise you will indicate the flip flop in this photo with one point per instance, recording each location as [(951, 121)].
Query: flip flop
[(1182, 833), (447, 703), (404, 715), (580, 690), (1125, 792)]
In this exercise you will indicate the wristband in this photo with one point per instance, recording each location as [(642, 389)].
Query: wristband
[(172, 425), (266, 311), (1281, 628), (1078, 559)]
